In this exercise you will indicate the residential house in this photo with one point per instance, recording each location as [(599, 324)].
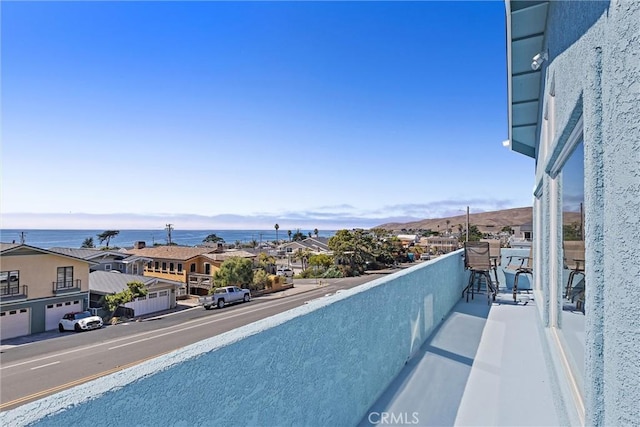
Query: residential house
[(313, 244), (441, 244), (161, 293), (38, 287), (573, 79), (193, 266), (408, 239), (107, 260)]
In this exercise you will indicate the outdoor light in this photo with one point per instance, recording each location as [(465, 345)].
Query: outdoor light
[(538, 60), (506, 143)]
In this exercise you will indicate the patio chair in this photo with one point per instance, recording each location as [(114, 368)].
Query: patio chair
[(478, 261), (494, 256), (574, 261), (524, 267)]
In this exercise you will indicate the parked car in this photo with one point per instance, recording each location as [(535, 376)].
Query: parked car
[(284, 271), (425, 257), (80, 321), (224, 296)]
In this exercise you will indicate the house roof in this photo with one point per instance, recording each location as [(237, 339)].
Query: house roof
[(312, 243), (88, 253), (109, 282), (180, 253), (526, 24), (21, 249), (222, 256)]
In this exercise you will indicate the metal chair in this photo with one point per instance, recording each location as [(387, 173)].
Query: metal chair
[(494, 256), (525, 267), (574, 261), (478, 261)]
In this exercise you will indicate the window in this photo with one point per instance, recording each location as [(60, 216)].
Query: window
[(157, 265), (107, 267), (153, 295), (207, 268), (10, 282), (572, 287), (179, 268), (164, 266), (192, 268), (164, 293), (171, 267), (65, 278), (135, 269)]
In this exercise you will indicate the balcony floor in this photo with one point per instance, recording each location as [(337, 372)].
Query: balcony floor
[(483, 366)]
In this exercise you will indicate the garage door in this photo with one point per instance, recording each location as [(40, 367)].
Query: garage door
[(54, 312), (14, 323), (152, 302)]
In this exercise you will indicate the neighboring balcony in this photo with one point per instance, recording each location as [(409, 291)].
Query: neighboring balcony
[(202, 281), (13, 292), (67, 286)]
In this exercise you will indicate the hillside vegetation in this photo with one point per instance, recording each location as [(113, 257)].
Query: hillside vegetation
[(485, 221)]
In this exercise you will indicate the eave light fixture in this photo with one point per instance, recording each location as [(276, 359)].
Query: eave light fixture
[(538, 60)]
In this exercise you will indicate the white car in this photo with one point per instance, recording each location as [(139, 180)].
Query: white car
[(286, 272), (80, 321)]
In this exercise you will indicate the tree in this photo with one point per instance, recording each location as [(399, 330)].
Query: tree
[(474, 234), (448, 222), (289, 234), (212, 238), (315, 232), (507, 229), (277, 227), (133, 291), (235, 271), (298, 236), (353, 249), (107, 235), (88, 243), (303, 256)]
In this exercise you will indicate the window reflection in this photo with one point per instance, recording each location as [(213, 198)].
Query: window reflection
[(573, 278)]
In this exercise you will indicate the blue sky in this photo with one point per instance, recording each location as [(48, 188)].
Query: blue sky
[(239, 114)]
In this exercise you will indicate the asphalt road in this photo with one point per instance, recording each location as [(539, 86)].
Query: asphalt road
[(60, 361)]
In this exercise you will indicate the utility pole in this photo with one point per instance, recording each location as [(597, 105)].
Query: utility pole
[(169, 230), (22, 237), (467, 223)]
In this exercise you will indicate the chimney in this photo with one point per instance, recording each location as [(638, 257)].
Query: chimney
[(220, 248), (139, 245)]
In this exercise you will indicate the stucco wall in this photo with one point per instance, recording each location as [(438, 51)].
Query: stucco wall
[(594, 65), (322, 364)]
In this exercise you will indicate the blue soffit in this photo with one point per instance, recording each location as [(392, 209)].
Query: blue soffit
[(526, 23)]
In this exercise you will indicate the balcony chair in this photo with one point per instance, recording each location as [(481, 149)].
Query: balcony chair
[(574, 261), (478, 261), (494, 256), (525, 267)]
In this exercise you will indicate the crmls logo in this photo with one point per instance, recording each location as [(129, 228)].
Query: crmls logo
[(393, 418)]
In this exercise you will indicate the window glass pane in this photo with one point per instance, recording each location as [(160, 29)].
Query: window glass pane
[(572, 286)]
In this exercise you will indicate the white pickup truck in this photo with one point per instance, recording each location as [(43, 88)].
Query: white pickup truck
[(224, 296)]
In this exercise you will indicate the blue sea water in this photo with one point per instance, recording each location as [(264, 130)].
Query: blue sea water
[(74, 238)]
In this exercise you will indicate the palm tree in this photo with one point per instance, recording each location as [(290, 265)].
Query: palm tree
[(276, 227), (315, 232), (448, 222), (289, 233), (107, 235), (88, 243)]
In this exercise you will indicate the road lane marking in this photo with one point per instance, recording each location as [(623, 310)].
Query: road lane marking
[(44, 366), (56, 389), (218, 317)]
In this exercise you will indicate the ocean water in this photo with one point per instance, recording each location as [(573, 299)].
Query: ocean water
[(74, 238)]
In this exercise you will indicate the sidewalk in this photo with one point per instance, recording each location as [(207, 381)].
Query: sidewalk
[(483, 366)]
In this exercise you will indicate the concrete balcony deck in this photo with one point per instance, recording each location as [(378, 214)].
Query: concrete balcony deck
[(483, 366)]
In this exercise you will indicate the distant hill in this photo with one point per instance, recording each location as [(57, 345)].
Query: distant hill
[(485, 221)]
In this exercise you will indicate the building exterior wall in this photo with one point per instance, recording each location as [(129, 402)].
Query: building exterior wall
[(324, 363), (593, 73), (39, 271)]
